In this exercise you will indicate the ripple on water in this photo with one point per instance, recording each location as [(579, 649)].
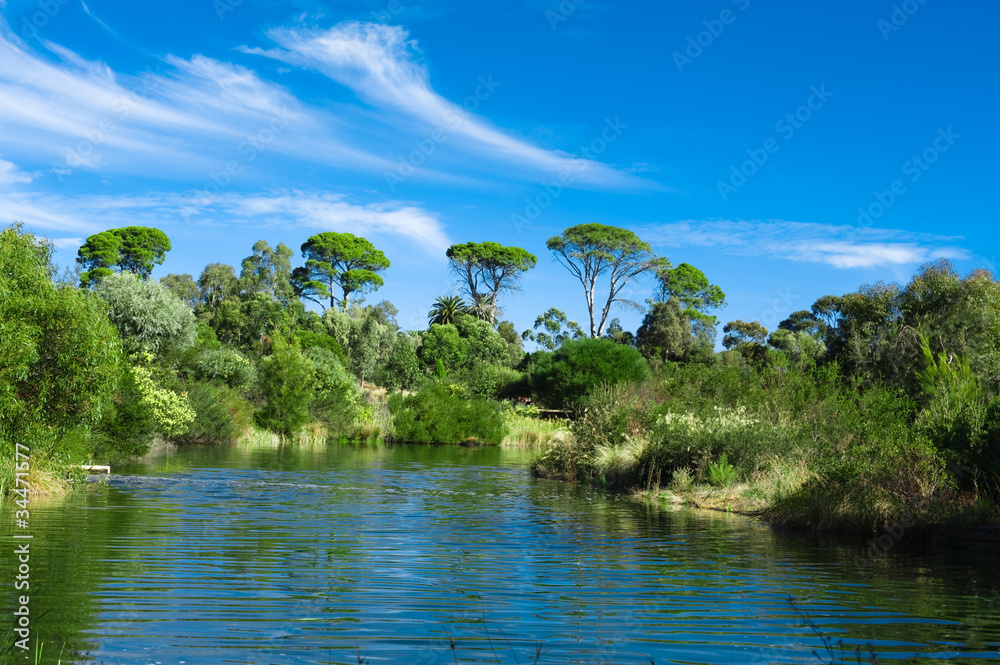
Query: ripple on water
[(279, 558)]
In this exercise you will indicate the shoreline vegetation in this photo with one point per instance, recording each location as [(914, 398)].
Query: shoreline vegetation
[(875, 412)]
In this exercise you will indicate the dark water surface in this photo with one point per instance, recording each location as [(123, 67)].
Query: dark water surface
[(303, 555)]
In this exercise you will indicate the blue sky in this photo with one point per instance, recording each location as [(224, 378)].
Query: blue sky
[(740, 136)]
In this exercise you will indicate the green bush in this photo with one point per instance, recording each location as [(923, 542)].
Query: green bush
[(286, 384), (435, 415), (150, 318), (335, 393), (221, 414), (227, 365), (126, 428), (493, 382), (402, 370), (720, 472), (563, 378)]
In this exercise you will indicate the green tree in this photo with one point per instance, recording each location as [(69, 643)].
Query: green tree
[(747, 337), (340, 260), (268, 271), (569, 374), (216, 283), (60, 357), (134, 249), (690, 286), (487, 269), (804, 321), (799, 346), (149, 317), (184, 287), (552, 335), (447, 309), (665, 332), (287, 384), (589, 251)]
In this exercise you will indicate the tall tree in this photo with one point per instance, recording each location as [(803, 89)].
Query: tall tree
[(134, 249), (268, 271), (690, 286), (665, 332), (589, 251), (487, 269), (339, 260), (739, 333), (552, 334), (216, 283), (183, 286)]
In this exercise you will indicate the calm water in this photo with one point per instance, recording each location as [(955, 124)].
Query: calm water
[(319, 555)]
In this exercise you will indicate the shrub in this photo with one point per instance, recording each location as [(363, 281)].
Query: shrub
[(402, 369), (493, 382), (221, 415), (720, 472), (335, 393), (286, 383), (149, 317), (566, 376), (434, 415), (227, 365), (60, 357), (126, 428)]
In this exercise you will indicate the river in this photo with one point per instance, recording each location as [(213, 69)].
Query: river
[(444, 554)]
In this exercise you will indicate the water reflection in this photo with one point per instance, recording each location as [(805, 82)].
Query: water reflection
[(318, 555)]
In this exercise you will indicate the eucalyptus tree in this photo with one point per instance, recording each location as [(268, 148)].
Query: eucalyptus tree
[(590, 251), (341, 261), (487, 269), (268, 270)]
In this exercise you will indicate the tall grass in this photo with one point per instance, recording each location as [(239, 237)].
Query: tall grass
[(527, 431)]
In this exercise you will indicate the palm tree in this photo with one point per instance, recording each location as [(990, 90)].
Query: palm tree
[(446, 309)]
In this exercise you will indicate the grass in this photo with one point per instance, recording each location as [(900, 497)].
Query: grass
[(525, 431), (749, 497)]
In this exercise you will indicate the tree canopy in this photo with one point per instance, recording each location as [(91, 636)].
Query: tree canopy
[(487, 269), (268, 271), (589, 251), (690, 286), (341, 260), (552, 334), (134, 249)]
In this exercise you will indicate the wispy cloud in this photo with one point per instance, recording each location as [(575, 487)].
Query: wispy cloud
[(380, 64), (309, 210), (838, 246), (189, 115), (10, 175)]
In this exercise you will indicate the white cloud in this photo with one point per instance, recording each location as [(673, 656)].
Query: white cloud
[(838, 246), (10, 175), (321, 211), (379, 63), (190, 115)]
